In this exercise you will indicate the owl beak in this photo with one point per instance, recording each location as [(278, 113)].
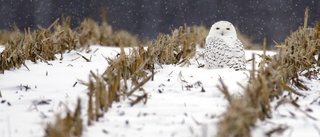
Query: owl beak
[(222, 33)]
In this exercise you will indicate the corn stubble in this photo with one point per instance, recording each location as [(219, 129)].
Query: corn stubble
[(92, 33), (68, 126), (127, 73), (277, 75), (44, 43)]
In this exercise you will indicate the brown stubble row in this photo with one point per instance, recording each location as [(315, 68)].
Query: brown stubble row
[(92, 33), (274, 79), (106, 88), (42, 44), (67, 126), (128, 72)]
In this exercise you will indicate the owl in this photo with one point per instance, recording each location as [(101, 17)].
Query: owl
[(223, 49)]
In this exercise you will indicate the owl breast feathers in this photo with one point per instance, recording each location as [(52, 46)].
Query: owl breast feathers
[(222, 54)]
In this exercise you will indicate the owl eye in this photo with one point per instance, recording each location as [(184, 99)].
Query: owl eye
[(217, 28), (228, 28)]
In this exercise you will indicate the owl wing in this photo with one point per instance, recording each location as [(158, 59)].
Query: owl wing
[(236, 54)]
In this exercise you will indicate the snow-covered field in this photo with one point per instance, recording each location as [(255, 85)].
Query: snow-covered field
[(182, 101)]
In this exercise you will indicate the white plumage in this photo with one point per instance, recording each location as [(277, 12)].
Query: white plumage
[(223, 49)]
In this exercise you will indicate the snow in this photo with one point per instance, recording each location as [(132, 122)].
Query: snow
[(176, 106), (302, 121)]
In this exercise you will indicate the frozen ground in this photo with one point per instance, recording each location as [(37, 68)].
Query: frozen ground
[(182, 101)]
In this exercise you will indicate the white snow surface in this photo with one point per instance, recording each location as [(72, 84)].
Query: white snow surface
[(32, 98)]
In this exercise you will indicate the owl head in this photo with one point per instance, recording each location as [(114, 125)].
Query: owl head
[(222, 29)]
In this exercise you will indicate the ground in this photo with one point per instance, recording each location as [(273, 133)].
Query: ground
[(182, 101)]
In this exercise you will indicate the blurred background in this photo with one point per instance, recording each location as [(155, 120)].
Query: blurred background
[(273, 19)]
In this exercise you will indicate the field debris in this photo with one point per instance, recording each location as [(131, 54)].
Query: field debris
[(277, 75)]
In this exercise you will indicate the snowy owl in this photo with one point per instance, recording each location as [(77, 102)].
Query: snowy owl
[(223, 49)]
